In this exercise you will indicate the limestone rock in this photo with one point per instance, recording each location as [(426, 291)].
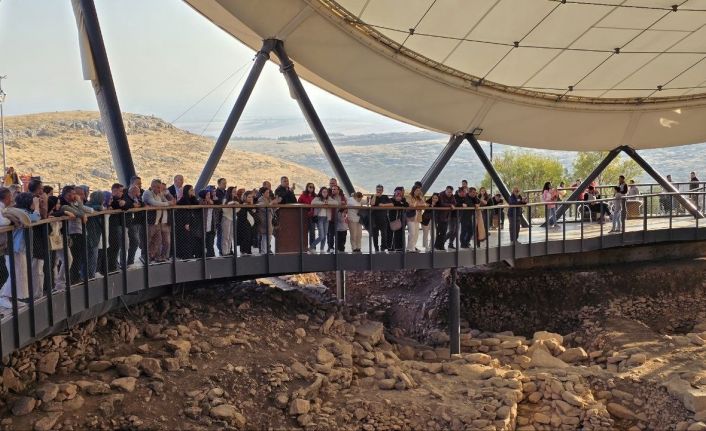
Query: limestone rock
[(47, 391), (637, 359), (97, 388), (23, 406), (572, 399), (180, 344), (697, 426), (299, 406), (620, 411), (99, 366), (228, 412), (574, 354), (125, 370), (171, 364), (693, 399), (695, 339), (323, 356), (541, 358), (545, 335), (387, 384), (125, 384), (47, 363), (11, 380), (47, 422), (370, 331), (300, 332), (150, 366)]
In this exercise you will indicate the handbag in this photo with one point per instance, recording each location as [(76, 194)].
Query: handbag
[(395, 225)]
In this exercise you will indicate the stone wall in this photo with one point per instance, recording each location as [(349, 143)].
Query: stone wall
[(657, 293)]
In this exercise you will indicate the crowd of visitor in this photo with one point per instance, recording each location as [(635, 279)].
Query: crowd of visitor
[(69, 243)]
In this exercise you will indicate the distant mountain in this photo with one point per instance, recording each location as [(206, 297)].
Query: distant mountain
[(70, 147)]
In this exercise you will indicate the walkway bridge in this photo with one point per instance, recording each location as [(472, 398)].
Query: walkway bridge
[(339, 50), (47, 310)]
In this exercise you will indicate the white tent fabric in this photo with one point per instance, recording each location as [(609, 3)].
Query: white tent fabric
[(573, 75)]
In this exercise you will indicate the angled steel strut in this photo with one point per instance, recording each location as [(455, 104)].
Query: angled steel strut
[(297, 90), (494, 175), (441, 161), (612, 154), (222, 142), (666, 185), (97, 68)]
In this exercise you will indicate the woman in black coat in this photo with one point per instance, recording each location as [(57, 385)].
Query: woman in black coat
[(186, 225), (398, 202), (247, 224)]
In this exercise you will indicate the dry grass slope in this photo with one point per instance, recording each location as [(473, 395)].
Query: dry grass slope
[(69, 147)]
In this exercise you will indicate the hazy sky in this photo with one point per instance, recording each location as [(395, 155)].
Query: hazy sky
[(164, 57)]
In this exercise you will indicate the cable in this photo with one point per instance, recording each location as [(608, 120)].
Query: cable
[(630, 6), (209, 93), (222, 103)]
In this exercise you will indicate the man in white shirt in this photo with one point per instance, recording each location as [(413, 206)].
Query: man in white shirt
[(177, 189)]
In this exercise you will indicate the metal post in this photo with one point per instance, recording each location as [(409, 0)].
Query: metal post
[(687, 203), (612, 154), (297, 90), (440, 162), (2, 127), (494, 175), (97, 69), (454, 315), (222, 142), (341, 286)]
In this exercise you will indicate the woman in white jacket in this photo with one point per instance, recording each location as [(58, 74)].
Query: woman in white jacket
[(354, 220), (323, 215)]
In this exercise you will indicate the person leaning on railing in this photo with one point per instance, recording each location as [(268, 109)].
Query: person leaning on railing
[(71, 201), (427, 217), (158, 238), (446, 200), (5, 202), (22, 216), (514, 213), (247, 223)]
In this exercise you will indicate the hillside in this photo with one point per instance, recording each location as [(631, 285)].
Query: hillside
[(69, 147)]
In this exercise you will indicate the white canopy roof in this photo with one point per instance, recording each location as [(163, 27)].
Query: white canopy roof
[(572, 75)]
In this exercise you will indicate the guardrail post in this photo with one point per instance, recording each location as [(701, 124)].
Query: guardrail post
[(30, 282), (341, 285), (454, 315), (67, 265), (13, 287)]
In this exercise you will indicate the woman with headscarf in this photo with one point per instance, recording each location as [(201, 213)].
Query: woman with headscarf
[(22, 215), (187, 225)]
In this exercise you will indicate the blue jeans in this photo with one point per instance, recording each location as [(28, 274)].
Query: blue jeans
[(92, 263), (312, 233), (551, 216), (322, 226)]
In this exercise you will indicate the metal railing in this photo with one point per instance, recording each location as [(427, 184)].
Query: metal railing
[(62, 269)]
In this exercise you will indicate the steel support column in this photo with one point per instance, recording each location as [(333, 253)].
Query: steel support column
[(97, 69), (494, 175), (666, 185), (441, 161), (222, 142), (341, 286), (454, 314), (297, 90), (612, 154)]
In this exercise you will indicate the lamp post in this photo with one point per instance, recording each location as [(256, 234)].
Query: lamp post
[(2, 126)]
